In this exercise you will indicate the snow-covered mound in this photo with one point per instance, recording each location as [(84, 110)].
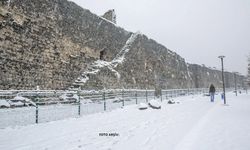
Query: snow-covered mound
[(171, 101), (142, 106), (19, 101), (206, 94), (86, 101), (4, 104), (16, 103), (19, 98), (154, 104), (69, 97)]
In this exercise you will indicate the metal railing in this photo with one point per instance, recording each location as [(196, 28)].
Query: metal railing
[(53, 105)]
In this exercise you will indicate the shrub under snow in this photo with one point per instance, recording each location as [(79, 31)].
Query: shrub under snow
[(143, 106), (154, 104)]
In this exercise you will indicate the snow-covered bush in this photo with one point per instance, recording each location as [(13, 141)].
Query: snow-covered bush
[(22, 101), (154, 104), (71, 97), (4, 104), (142, 106), (171, 102)]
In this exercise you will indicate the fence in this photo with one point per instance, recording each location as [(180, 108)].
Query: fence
[(53, 105)]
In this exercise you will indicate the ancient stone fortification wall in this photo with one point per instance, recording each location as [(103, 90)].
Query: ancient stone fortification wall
[(153, 66), (204, 76), (51, 43), (148, 64)]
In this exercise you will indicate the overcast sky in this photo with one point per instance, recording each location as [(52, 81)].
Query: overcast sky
[(198, 30)]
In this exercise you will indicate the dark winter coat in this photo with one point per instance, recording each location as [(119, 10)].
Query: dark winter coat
[(212, 89)]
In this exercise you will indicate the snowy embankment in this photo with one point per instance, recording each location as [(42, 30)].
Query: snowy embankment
[(194, 123)]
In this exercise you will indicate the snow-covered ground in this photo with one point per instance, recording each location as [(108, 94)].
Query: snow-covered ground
[(27, 115), (194, 123)]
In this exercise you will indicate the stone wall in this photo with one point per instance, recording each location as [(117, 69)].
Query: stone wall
[(51, 43), (151, 65), (110, 15), (204, 76)]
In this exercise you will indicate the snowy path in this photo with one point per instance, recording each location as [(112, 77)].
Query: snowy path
[(194, 124)]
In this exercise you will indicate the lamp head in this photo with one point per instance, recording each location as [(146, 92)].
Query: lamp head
[(221, 57)]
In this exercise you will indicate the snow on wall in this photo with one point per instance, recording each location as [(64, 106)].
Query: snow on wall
[(95, 67), (107, 21)]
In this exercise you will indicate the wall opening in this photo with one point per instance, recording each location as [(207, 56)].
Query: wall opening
[(102, 54)]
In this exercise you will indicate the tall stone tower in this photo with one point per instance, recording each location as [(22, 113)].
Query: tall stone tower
[(110, 15)]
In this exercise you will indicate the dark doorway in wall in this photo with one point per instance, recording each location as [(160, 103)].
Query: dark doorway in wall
[(102, 54)]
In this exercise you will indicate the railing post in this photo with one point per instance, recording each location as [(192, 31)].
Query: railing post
[(154, 93), (136, 102), (79, 103), (36, 113), (104, 100), (146, 95), (167, 93), (161, 95), (36, 99), (123, 97)]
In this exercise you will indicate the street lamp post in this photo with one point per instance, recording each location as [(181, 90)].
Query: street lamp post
[(223, 82)]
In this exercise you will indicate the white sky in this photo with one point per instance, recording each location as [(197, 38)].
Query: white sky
[(198, 30)]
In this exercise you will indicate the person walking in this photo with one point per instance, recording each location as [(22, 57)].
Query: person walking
[(212, 92)]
